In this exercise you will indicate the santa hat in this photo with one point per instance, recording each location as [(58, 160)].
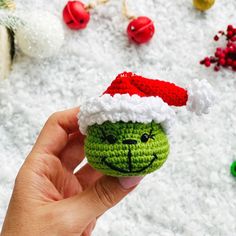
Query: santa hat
[(133, 98)]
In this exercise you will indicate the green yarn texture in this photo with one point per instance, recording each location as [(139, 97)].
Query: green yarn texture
[(126, 149)]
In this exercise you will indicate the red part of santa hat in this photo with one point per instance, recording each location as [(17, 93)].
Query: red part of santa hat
[(137, 99), (132, 84)]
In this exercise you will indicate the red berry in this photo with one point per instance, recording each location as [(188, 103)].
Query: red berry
[(222, 61), (229, 44), (222, 55), (226, 50), (216, 38), (233, 39), (225, 57), (207, 63), (230, 33), (230, 27), (231, 49), (75, 15), (229, 61), (141, 29), (217, 53)]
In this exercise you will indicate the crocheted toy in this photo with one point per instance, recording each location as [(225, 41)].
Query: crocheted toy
[(126, 127), (203, 5)]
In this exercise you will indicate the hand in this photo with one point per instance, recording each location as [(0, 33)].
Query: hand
[(48, 198)]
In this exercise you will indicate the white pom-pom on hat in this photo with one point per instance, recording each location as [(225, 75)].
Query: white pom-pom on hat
[(200, 97)]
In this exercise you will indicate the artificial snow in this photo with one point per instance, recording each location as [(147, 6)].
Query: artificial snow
[(193, 193)]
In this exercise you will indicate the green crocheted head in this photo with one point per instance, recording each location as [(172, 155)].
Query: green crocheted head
[(126, 149)]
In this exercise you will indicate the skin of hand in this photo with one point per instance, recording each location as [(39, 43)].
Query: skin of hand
[(48, 197)]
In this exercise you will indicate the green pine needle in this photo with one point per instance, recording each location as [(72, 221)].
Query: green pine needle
[(8, 4)]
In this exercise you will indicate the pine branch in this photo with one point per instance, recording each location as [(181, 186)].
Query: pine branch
[(8, 4)]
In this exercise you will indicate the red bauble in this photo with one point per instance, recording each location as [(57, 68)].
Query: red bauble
[(141, 29), (75, 15)]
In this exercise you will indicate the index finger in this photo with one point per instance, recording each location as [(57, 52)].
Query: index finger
[(55, 133)]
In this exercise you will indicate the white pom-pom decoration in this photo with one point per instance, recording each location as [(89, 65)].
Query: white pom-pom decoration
[(41, 35), (200, 97)]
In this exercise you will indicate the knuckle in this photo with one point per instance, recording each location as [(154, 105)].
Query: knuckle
[(104, 195)]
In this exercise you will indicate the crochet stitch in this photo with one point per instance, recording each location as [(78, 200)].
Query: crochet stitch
[(126, 149), (125, 108), (126, 127), (134, 98)]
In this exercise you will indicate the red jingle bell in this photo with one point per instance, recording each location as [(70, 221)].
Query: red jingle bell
[(75, 15), (141, 29)]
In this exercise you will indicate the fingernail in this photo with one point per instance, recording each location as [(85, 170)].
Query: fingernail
[(129, 182)]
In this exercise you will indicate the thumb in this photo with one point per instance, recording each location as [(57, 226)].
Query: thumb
[(103, 195)]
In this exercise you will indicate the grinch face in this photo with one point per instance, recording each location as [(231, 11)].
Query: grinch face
[(126, 149)]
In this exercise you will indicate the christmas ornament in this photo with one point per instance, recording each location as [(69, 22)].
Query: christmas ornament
[(40, 34), (140, 29), (233, 169), (76, 15), (203, 5), (127, 126), (7, 50), (225, 56)]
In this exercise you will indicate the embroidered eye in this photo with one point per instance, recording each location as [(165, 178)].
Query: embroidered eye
[(111, 139), (144, 138)]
